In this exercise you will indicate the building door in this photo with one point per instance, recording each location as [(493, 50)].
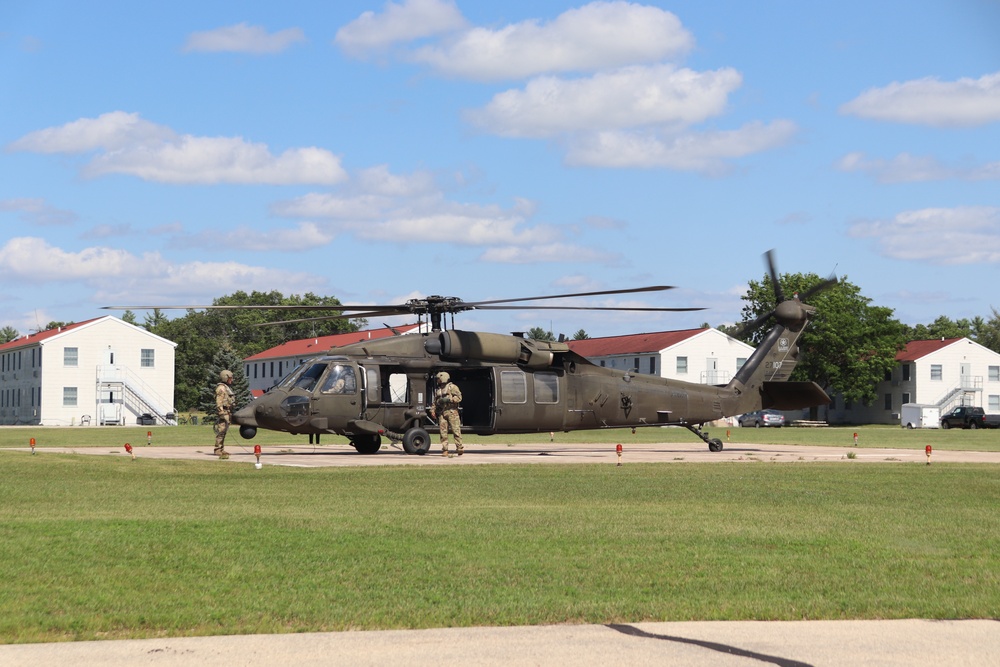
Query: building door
[(711, 370), (965, 376)]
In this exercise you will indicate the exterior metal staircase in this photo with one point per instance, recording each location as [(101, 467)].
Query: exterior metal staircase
[(130, 395)]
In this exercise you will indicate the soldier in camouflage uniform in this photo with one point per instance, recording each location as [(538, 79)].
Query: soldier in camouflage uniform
[(225, 400), (447, 397)]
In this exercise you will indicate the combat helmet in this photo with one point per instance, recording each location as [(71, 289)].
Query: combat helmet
[(442, 377), (226, 376)]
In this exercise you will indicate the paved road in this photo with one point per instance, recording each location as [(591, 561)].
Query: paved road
[(903, 643), (910, 643), (344, 455)]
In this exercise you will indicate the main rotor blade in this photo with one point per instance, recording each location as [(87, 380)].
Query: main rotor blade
[(622, 308), (378, 309), (657, 288), (324, 318)]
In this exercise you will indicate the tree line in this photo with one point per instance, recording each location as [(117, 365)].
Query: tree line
[(849, 347)]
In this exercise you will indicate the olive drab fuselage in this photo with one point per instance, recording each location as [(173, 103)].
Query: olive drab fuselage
[(510, 384)]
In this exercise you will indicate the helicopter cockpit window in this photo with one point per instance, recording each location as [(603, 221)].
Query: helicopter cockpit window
[(513, 388), (546, 387), (340, 380), (307, 380), (293, 375)]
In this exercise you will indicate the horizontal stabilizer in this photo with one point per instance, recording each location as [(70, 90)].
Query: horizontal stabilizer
[(792, 395)]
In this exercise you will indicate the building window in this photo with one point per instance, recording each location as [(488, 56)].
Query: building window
[(652, 365), (69, 397), (71, 357), (994, 373), (146, 358), (682, 365), (906, 373), (936, 372), (994, 402), (888, 401), (740, 361), (636, 365), (888, 376), (906, 397)]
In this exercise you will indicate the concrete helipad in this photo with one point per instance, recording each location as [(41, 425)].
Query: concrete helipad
[(544, 453)]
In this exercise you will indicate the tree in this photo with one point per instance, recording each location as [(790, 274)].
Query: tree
[(224, 359), (200, 334), (538, 333), (8, 334), (55, 324), (581, 335), (129, 317), (849, 345)]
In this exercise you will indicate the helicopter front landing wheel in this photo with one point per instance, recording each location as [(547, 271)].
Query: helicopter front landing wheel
[(416, 441), (367, 444), (715, 445)]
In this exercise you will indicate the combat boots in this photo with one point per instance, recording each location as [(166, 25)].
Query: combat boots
[(221, 453)]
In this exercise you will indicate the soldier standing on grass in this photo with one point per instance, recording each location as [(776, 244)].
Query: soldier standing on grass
[(447, 397), (225, 400)]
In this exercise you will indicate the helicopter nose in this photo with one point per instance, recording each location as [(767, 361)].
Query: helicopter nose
[(245, 416)]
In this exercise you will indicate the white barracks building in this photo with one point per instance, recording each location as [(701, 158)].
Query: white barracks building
[(99, 372)]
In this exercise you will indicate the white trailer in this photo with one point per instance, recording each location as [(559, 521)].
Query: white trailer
[(918, 415)]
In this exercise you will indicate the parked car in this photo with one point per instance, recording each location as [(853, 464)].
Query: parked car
[(968, 416), (145, 419), (759, 418)]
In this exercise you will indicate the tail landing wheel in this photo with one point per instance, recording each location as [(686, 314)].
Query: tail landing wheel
[(714, 444)]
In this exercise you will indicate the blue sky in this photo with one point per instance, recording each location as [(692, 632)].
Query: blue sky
[(381, 151)]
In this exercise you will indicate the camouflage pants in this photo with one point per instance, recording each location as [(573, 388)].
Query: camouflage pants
[(221, 428), (449, 419)]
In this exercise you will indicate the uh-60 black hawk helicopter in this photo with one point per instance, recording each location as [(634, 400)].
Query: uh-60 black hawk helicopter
[(381, 388)]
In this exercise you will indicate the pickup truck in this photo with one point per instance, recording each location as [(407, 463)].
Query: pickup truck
[(967, 416)]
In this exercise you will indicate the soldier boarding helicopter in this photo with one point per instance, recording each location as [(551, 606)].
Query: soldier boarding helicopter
[(382, 388)]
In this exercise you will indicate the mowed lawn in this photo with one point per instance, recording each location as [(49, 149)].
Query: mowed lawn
[(106, 547)]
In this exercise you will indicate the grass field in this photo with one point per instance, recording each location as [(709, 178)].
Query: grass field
[(99, 547)]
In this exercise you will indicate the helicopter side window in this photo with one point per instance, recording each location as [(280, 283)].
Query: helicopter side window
[(513, 388), (293, 375), (340, 380), (307, 380), (546, 387)]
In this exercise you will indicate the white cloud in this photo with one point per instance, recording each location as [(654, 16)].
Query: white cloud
[(113, 272), (303, 236), (127, 144), (37, 212), (398, 22), (907, 168), (629, 97), (600, 35), (944, 236), (929, 101), (705, 152), (243, 38), (113, 131)]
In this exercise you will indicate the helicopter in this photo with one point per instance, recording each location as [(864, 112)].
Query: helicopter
[(512, 384)]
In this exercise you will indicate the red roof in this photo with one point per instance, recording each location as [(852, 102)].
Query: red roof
[(632, 343), (38, 337), (916, 349), (308, 347)]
